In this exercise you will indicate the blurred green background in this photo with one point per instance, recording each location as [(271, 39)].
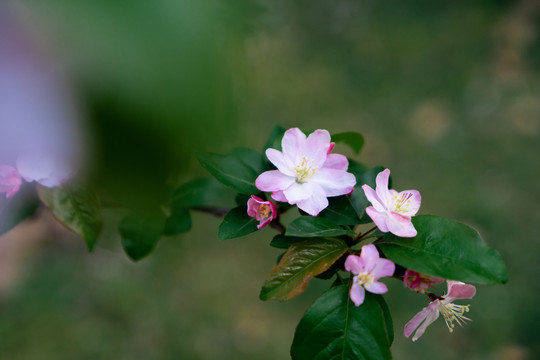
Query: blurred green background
[(446, 93)]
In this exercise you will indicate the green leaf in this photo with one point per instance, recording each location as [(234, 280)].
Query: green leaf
[(309, 226), (250, 157), (140, 234), (281, 241), (358, 198), (301, 262), (230, 171), (76, 207), (237, 223), (446, 249), (17, 209), (353, 139), (197, 192), (334, 328), (179, 221), (274, 140), (340, 211)]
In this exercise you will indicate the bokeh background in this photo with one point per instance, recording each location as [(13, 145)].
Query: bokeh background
[(446, 93)]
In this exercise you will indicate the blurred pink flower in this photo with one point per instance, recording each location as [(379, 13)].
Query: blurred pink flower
[(10, 180), (442, 305), (263, 211), (307, 174), (368, 268), (42, 168), (392, 211), (419, 282)]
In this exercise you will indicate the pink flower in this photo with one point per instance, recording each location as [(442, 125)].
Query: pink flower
[(392, 211), (43, 168), (10, 180), (307, 174), (264, 211), (419, 282), (442, 305), (368, 268)]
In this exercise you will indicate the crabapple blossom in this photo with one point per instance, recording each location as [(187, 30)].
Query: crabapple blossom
[(10, 180), (307, 174), (392, 211), (43, 168), (419, 282), (368, 268), (263, 211), (442, 305)]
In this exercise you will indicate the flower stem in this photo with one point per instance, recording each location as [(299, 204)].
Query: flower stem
[(362, 236), (212, 210)]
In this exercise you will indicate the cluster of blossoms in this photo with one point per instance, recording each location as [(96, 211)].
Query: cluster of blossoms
[(308, 173), (39, 168)]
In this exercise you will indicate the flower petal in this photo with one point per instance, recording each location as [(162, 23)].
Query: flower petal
[(430, 318), (383, 267), (373, 198), (336, 161), (379, 218), (412, 204), (334, 182), (317, 145), (315, 203), (354, 264), (297, 192), (273, 180), (370, 255), (421, 316), (283, 164), (10, 180), (293, 143), (357, 294), (376, 287), (400, 225), (252, 206), (459, 290), (279, 196), (382, 187)]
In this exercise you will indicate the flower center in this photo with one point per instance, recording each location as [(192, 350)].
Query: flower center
[(265, 210), (452, 312), (304, 171), (364, 278), (402, 203)]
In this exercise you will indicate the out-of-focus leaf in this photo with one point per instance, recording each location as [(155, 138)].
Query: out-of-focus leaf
[(237, 223), (446, 249), (334, 328), (274, 140), (197, 192), (340, 211), (353, 139), (179, 221), (250, 157), (140, 234), (300, 263), (77, 207), (17, 209), (230, 171), (309, 226)]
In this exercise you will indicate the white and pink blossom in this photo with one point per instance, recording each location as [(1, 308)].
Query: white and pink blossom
[(43, 168), (263, 211), (368, 268), (419, 282), (10, 180), (392, 211), (442, 305), (307, 174)]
